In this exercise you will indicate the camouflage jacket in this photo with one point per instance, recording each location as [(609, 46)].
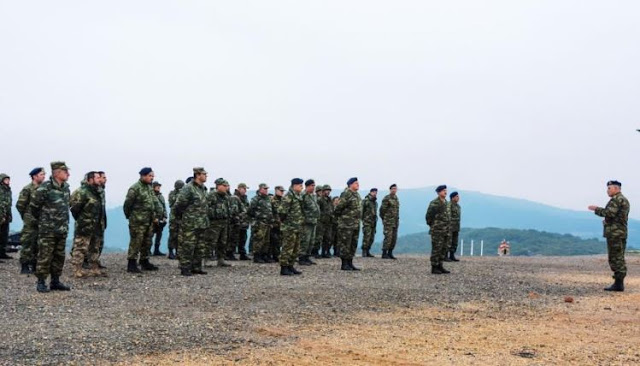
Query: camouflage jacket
[(349, 210), (163, 205), (6, 201), (24, 198), (219, 206), (261, 210), (369, 210), (141, 207), (455, 216), (173, 196), (290, 211), (191, 207), (326, 210), (241, 218), (438, 217), (103, 198), (85, 205), (616, 215), (310, 208), (276, 202), (390, 210), (50, 207)]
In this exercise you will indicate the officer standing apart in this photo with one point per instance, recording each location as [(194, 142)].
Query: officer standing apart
[(616, 216), (390, 214), (439, 219)]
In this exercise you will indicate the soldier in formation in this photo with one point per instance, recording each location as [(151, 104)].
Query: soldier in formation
[(239, 224), (174, 223), (292, 219), (311, 212), (29, 233), (218, 233), (390, 214), (262, 215), (369, 221), (349, 213), (323, 229), (5, 214), (438, 218), (275, 236), (158, 227), (456, 213)]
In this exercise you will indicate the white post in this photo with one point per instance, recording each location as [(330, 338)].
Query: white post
[(481, 247), (471, 248), (462, 247)]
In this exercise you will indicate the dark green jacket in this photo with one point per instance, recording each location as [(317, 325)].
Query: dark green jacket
[(219, 206), (141, 207), (369, 210), (438, 217), (616, 216), (290, 211), (310, 208), (50, 207), (390, 211), (261, 210), (191, 207), (349, 210), (455, 216), (86, 208)]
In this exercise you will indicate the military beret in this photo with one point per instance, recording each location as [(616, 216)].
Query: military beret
[(59, 165), (199, 170), (243, 185), (279, 188), (441, 188), (326, 187), (453, 194), (309, 182), (35, 171), (145, 171), (156, 184), (373, 190), (393, 186), (295, 181), (614, 183), (261, 186), (351, 181), (188, 180)]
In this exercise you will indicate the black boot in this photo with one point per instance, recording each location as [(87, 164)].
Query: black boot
[(132, 266), (147, 266), (5, 256), (198, 272), (294, 271), (56, 285), (369, 255), (243, 257), (443, 270), (618, 285), (157, 252), (33, 265), (26, 269), (390, 254), (353, 268), (231, 257), (42, 286), (303, 261), (171, 254), (364, 253), (452, 256), (435, 270), (185, 272), (285, 271), (345, 265), (257, 258), (385, 254)]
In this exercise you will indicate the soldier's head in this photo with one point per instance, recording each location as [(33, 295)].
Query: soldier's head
[(222, 186), (103, 178), (263, 189), (613, 187), (442, 191), (353, 184), (242, 189), (5, 179), (309, 186), (335, 200), (147, 175), (454, 197), (157, 186), (393, 189), (279, 190), (326, 190), (319, 189), (60, 171), (37, 175), (296, 184), (373, 192), (93, 179), (199, 175)]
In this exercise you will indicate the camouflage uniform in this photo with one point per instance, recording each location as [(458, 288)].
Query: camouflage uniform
[(141, 208), (29, 234), (390, 215), (616, 215), (275, 235), (87, 210), (369, 221), (99, 235), (239, 225), (455, 226), (261, 212), (191, 208), (6, 201), (348, 212), (218, 232), (50, 207), (174, 223), (333, 237), (158, 227), (438, 218), (323, 230), (292, 219), (311, 212)]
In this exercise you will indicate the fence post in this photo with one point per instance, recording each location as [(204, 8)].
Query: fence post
[(481, 247), (462, 247), (471, 248)]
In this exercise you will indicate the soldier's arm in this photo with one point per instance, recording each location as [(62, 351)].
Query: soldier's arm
[(342, 205), (37, 200), (23, 202), (76, 203), (383, 207), (430, 214), (128, 202), (283, 210), (183, 198), (610, 211)]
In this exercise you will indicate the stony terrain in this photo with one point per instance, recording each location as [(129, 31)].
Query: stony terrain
[(504, 311)]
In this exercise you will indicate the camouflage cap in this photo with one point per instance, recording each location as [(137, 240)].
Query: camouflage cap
[(59, 165), (319, 187), (3, 176), (326, 187), (243, 185), (156, 184), (221, 182), (280, 188), (199, 170), (178, 184), (263, 185)]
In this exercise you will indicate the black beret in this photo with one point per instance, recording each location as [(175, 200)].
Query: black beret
[(441, 188), (614, 183), (145, 170), (186, 181), (35, 171), (309, 182), (156, 184), (295, 181), (351, 181), (393, 186), (453, 194), (373, 190)]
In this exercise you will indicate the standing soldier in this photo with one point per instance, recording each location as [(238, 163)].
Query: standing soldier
[(50, 207), (292, 218), (240, 225), (142, 209), (454, 197), (158, 227), (390, 214), (311, 213), (616, 217), (103, 224), (317, 240), (439, 219), (220, 213), (29, 234), (86, 208), (275, 240), (191, 208), (261, 213), (349, 213), (174, 223), (334, 228), (369, 221), (6, 201), (323, 230)]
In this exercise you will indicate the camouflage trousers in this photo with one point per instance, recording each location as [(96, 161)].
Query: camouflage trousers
[(439, 247), (368, 236), (453, 247), (308, 239), (4, 237), (29, 243), (158, 229), (174, 232), (97, 244), (192, 248), (616, 248), (323, 232), (51, 255), (85, 247), (290, 246), (217, 238), (139, 242), (275, 241), (348, 242), (260, 235), (238, 239), (390, 237), (334, 238)]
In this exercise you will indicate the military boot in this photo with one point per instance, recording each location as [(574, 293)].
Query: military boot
[(41, 286), (33, 265), (185, 272), (156, 250), (452, 256), (310, 261), (304, 261), (369, 255), (5, 256), (198, 272), (618, 285), (171, 254), (258, 258), (222, 263), (285, 271), (95, 271), (364, 253), (78, 271), (132, 266), (294, 270), (145, 265), (56, 285), (243, 257), (231, 257), (443, 270), (390, 254), (353, 268), (385, 254), (435, 270), (345, 265), (26, 269), (446, 258)]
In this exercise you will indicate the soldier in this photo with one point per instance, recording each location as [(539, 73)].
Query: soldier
[(29, 234), (323, 229), (311, 213), (49, 206), (240, 225), (158, 227), (454, 198), (275, 234), (261, 212), (369, 221), (390, 215), (334, 228), (142, 209), (174, 223), (292, 218), (99, 235), (87, 210), (439, 219), (349, 213), (317, 240), (191, 208), (616, 217), (220, 214), (6, 201)]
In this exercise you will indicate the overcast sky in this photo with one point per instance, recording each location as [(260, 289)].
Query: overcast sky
[(528, 99)]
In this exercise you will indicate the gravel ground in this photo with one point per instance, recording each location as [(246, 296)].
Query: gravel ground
[(124, 316)]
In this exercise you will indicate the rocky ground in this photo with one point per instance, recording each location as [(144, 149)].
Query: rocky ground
[(505, 311)]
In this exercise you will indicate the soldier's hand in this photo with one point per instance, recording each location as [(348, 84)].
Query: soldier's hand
[(592, 208)]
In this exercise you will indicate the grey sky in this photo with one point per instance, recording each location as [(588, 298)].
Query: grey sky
[(530, 99)]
